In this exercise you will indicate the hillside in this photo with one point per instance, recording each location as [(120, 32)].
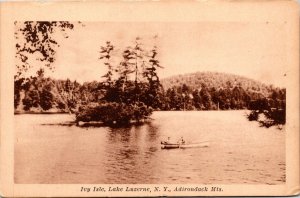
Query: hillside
[(212, 90), (216, 80)]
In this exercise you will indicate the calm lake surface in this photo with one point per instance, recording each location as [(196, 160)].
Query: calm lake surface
[(49, 150)]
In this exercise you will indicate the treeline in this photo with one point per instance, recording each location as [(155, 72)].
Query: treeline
[(212, 91), (39, 94), (217, 80), (44, 94)]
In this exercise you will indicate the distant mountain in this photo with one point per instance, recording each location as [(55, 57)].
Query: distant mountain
[(213, 90), (216, 80)]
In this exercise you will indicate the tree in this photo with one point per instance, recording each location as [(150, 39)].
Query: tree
[(32, 99), (197, 99), (138, 56), (153, 93), (136, 61), (174, 99), (206, 97), (17, 90), (46, 99), (36, 39), (106, 54), (126, 67)]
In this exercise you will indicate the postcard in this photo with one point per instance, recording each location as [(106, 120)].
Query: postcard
[(149, 98)]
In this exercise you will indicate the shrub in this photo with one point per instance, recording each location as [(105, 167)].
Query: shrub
[(46, 99), (270, 117), (277, 115), (253, 116)]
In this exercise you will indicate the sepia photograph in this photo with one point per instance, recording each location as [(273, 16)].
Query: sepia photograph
[(149, 103), (179, 106)]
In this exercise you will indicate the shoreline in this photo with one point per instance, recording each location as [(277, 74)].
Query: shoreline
[(32, 112)]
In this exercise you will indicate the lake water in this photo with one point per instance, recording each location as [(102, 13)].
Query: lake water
[(49, 150)]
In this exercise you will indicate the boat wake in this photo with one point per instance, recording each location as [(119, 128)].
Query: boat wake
[(195, 145)]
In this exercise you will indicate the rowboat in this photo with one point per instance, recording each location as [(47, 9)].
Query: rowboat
[(166, 145), (169, 146)]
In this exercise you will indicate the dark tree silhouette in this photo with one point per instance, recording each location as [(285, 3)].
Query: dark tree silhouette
[(36, 38), (106, 54)]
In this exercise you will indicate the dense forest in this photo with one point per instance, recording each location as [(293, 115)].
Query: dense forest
[(212, 90), (197, 91)]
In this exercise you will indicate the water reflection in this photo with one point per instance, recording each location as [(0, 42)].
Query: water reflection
[(131, 151)]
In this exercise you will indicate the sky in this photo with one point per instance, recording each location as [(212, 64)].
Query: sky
[(255, 50)]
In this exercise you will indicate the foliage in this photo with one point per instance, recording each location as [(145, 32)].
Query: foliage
[(217, 80), (253, 116), (37, 38), (38, 41), (66, 92), (211, 91), (105, 53), (112, 113), (31, 99), (43, 94), (17, 90), (272, 108)]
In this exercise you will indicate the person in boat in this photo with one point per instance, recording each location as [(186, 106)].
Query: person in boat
[(166, 142), (181, 141)]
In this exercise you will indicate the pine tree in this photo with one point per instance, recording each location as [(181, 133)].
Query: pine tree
[(106, 54), (150, 73)]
